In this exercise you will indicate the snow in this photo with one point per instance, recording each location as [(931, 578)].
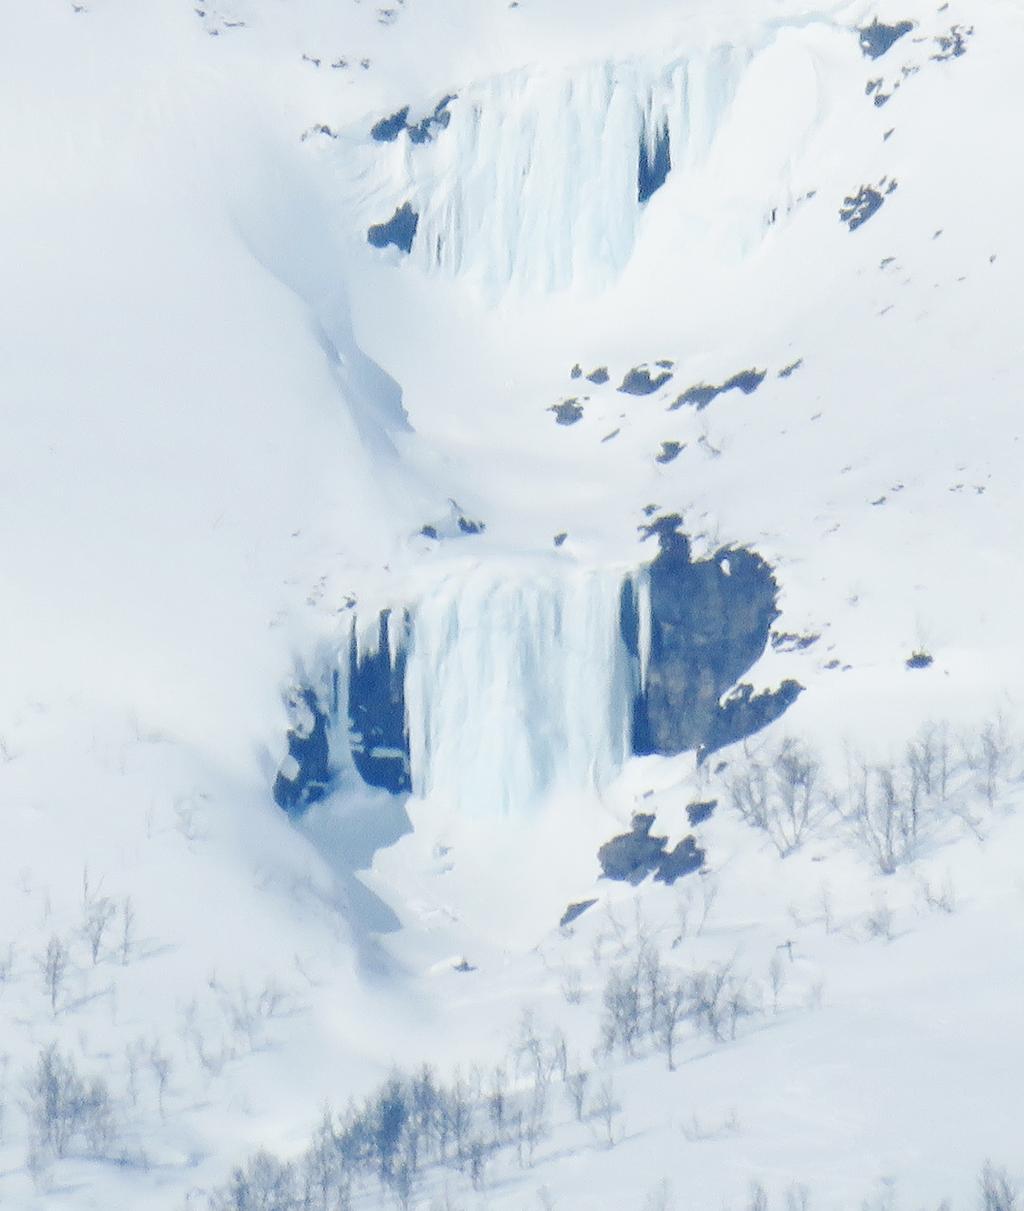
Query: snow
[(226, 420)]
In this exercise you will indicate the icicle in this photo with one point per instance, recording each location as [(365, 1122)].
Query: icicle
[(642, 589)]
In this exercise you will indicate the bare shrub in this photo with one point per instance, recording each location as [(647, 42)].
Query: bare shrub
[(264, 1184), (606, 1109), (783, 795), (98, 915), (63, 1108), (886, 815), (998, 1192), (53, 966)]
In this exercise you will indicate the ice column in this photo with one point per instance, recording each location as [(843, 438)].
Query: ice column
[(518, 683)]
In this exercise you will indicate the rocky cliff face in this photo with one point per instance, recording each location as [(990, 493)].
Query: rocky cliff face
[(709, 622)]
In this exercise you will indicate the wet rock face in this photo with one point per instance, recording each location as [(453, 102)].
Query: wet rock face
[(710, 622), (376, 711)]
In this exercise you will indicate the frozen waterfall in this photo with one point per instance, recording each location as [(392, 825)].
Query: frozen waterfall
[(517, 683), (538, 177)]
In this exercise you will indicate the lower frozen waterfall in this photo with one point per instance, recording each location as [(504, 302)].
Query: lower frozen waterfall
[(517, 683)]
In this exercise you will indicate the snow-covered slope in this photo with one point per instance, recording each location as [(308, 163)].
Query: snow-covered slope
[(318, 310)]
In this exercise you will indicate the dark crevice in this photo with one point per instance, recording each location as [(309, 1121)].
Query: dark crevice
[(654, 166)]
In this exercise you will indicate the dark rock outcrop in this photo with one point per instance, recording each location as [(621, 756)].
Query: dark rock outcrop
[(703, 394), (710, 622), (859, 207), (305, 776), (376, 711), (575, 910), (568, 412), (876, 38), (654, 166), (698, 812), (631, 857), (640, 381), (399, 230), (388, 129)]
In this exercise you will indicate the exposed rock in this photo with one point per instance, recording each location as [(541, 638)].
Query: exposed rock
[(388, 129), (702, 394), (376, 711), (743, 712), (574, 911), (710, 622), (654, 166), (787, 641), (697, 813), (631, 857), (305, 775), (399, 230), (568, 412), (683, 860), (876, 38), (640, 381), (859, 207), (953, 44)]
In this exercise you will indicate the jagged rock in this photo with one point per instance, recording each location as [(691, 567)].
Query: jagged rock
[(697, 813), (376, 711), (640, 381), (575, 910), (710, 621), (876, 38), (399, 230), (702, 394), (631, 857), (305, 775)]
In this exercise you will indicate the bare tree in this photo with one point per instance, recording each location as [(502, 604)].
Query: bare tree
[(535, 1120), (62, 1106), (998, 1192), (672, 1009), (991, 757), (496, 1101), (783, 796), (53, 966), (621, 1022), (97, 917), (886, 817), (776, 979), (798, 1197), (576, 1082), (758, 1200), (6, 965), (264, 1184), (127, 930), (652, 975), (606, 1109), (161, 1066), (707, 995)]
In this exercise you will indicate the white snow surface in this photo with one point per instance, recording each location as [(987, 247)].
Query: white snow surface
[(226, 419)]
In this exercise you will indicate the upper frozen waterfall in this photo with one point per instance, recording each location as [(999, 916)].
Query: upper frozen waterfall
[(517, 684), (539, 177)]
